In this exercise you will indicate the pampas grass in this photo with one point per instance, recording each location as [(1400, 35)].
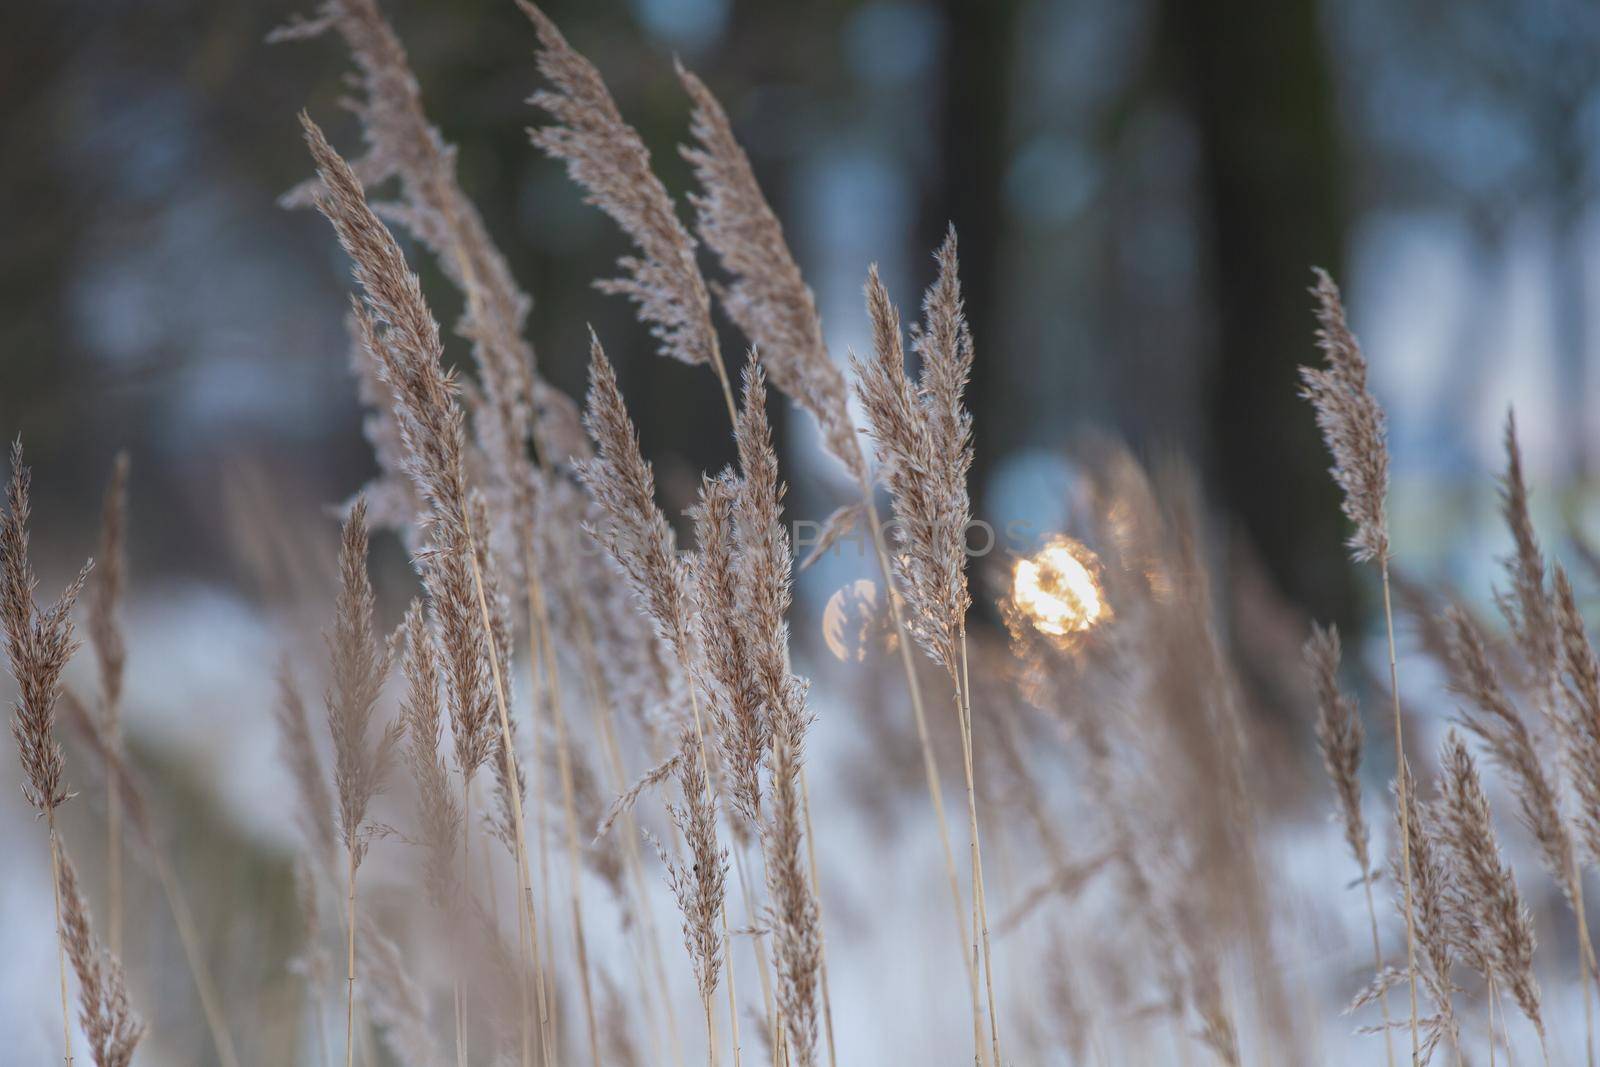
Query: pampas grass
[(1496, 721), (1116, 773), (924, 441), (608, 159), (38, 645), (1438, 916), (360, 764), (763, 565), (640, 541), (1490, 895), (1355, 430), (1580, 733), (402, 338), (767, 298)]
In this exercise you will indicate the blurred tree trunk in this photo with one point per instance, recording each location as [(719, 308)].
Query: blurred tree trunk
[(1257, 86), (35, 258), (975, 68)]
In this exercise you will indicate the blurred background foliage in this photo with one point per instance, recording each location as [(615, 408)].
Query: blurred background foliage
[(1140, 188)]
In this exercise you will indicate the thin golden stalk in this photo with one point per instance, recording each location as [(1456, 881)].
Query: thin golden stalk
[(711, 1032), (930, 764), (1377, 964), (600, 704), (733, 999), (466, 879), (1499, 996), (1491, 999), (541, 964), (1404, 787), (564, 769), (727, 387), (811, 861), (189, 939), (1586, 961), (775, 1031), (603, 713), (980, 904), (739, 863), (727, 940), (350, 965), (524, 890), (540, 686), (61, 948), (118, 776), (461, 1037), (114, 868)]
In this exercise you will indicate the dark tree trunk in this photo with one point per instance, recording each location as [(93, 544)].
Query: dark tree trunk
[(1256, 83), (965, 190)]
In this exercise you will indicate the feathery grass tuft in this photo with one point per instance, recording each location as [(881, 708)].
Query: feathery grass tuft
[(1490, 888), (609, 160), (109, 1022)]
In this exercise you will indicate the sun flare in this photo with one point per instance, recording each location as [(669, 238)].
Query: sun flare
[(1057, 591)]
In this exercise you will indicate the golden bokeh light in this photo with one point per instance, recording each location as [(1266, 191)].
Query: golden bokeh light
[(1057, 591)]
